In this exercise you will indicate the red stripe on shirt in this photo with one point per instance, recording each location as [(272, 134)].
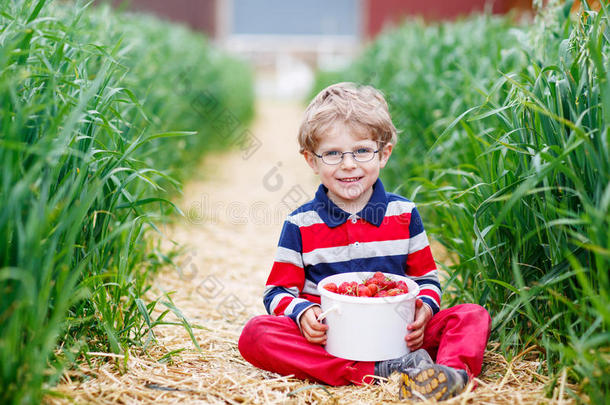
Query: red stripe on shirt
[(313, 298), (318, 236), (431, 293), (420, 262), (286, 275), (281, 306)]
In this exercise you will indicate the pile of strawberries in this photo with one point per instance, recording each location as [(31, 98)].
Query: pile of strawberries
[(378, 285)]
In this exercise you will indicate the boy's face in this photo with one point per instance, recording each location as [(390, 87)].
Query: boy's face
[(349, 182)]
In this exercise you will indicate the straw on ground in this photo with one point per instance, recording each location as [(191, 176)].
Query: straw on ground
[(218, 286)]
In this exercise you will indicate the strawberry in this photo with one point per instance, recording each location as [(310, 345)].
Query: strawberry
[(375, 278), (373, 288), (378, 285), (386, 284), (348, 288), (332, 287), (363, 291), (353, 288), (402, 286), (342, 289)]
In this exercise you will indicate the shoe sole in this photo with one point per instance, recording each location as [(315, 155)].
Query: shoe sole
[(428, 383)]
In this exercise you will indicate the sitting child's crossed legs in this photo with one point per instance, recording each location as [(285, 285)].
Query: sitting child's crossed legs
[(275, 343), (456, 337)]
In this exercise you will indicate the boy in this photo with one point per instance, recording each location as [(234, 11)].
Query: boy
[(353, 225)]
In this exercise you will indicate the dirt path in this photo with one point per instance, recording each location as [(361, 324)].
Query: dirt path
[(234, 213), (234, 210)]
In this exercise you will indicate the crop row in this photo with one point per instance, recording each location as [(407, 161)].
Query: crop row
[(505, 145), (99, 113)]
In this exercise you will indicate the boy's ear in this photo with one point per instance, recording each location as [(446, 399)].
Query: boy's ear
[(312, 161), (385, 154)]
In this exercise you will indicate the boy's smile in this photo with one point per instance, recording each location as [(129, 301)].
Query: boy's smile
[(349, 182)]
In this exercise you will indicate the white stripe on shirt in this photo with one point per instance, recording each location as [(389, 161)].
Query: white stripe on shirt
[(310, 287), (285, 255), (430, 287), (418, 242), (357, 250), (290, 290), (276, 300), (292, 304), (306, 218), (399, 207)]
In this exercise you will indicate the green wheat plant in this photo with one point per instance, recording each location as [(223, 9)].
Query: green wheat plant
[(504, 145), (86, 123), (536, 200)]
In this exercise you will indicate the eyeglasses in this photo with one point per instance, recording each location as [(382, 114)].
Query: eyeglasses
[(334, 157)]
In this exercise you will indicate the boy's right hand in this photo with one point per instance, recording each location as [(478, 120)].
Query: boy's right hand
[(314, 331)]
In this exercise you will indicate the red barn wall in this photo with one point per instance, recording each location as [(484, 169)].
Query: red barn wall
[(199, 15), (378, 13)]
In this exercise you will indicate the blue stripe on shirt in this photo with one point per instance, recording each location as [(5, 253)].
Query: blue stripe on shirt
[(268, 298), (298, 308), (415, 226), (428, 281), (433, 305), (290, 237)]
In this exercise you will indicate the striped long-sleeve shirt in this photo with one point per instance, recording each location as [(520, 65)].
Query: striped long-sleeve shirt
[(319, 239)]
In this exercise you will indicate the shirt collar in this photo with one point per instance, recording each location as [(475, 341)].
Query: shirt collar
[(333, 216)]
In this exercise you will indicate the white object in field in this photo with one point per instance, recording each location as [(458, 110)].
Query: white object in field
[(367, 328)]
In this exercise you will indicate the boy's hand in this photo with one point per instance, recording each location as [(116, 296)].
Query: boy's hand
[(314, 331), (415, 336)]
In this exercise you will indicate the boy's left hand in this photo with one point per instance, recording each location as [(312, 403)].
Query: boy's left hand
[(415, 335)]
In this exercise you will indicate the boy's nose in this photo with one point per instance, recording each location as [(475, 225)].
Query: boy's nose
[(348, 160)]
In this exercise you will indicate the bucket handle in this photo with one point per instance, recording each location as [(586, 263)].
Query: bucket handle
[(322, 316)]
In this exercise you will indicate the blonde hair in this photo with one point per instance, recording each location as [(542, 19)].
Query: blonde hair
[(356, 106)]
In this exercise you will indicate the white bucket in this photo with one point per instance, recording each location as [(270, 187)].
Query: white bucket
[(367, 328)]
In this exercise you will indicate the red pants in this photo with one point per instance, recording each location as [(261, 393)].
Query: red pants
[(455, 337)]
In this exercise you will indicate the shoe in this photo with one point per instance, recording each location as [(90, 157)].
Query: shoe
[(412, 360), (432, 381)]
